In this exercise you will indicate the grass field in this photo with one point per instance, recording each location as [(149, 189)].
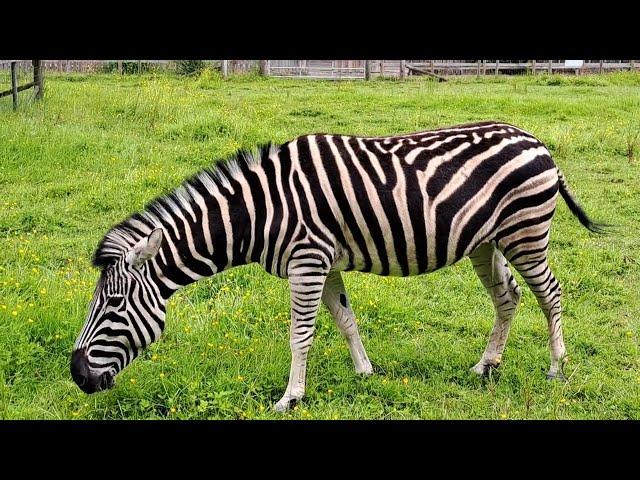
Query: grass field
[(100, 147)]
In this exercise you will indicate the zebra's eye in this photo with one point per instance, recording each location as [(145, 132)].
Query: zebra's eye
[(115, 301)]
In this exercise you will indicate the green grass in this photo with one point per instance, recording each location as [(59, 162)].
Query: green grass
[(100, 147)]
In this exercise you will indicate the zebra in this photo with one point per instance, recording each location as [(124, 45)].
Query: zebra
[(323, 204)]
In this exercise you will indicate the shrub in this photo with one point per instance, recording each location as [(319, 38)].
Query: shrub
[(129, 67), (189, 67)]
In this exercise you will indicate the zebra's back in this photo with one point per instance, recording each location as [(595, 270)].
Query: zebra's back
[(410, 204)]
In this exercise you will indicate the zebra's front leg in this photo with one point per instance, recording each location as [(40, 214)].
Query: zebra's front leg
[(306, 286), (493, 270), (335, 298)]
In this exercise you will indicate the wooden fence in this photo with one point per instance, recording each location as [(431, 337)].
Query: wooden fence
[(353, 69), (83, 66), (356, 69), (37, 84)]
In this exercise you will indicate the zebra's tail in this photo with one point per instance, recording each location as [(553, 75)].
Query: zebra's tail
[(577, 209)]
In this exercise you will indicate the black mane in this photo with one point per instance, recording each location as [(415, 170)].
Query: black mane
[(121, 237)]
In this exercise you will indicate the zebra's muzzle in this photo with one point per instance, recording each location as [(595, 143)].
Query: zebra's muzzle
[(85, 378)]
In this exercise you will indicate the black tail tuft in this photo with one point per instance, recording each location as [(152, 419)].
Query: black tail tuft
[(578, 211)]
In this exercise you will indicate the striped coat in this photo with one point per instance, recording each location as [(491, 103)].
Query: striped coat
[(322, 204)]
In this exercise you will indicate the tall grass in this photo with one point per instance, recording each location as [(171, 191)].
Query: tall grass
[(100, 147)]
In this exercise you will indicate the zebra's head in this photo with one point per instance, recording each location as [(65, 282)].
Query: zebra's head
[(126, 314)]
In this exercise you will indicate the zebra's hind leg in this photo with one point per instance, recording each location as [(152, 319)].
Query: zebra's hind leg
[(335, 298), (493, 270), (534, 268), (306, 281)]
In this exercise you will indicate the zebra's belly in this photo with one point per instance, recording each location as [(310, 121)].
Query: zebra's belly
[(405, 259)]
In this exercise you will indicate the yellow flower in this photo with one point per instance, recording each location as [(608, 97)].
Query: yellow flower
[(261, 408), (133, 380), (161, 374), (503, 415), (31, 305), (154, 357), (329, 391), (240, 378), (405, 380), (43, 291), (172, 410), (57, 337), (29, 320), (75, 414), (14, 313), (629, 334)]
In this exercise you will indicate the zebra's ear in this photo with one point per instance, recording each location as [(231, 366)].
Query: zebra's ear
[(145, 249)]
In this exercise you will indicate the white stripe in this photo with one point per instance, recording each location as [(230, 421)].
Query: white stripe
[(379, 212)]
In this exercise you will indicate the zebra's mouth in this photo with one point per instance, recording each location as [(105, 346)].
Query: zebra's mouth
[(106, 381), (84, 376)]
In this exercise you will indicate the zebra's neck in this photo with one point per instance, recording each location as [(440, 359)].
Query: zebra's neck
[(206, 223)]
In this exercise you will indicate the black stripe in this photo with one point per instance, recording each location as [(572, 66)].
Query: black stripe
[(386, 199), (370, 218), (330, 164)]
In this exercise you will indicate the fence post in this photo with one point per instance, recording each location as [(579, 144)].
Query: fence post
[(37, 78), (14, 86), (533, 67), (550, 67), (367, 70), (478, 73), (382, 68), (632, 65), (120, 67), (225, 68), (403, 64), (263, 67), (497, 66)]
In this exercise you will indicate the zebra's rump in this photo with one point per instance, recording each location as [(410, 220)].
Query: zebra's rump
[(414, 203)]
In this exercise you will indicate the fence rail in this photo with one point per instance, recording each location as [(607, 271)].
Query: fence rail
[(348, 69)]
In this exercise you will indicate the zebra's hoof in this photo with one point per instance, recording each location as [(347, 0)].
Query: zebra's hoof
[(559, 376), (482, 369), (285, 404), (364, 370)]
